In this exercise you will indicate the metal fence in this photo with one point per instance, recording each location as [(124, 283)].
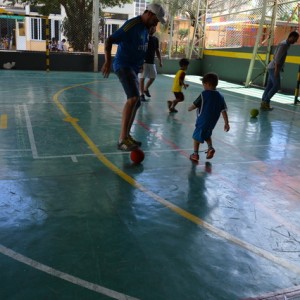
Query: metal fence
[(240, 28)]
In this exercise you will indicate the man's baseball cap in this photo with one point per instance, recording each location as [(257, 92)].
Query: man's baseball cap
[(158, 11)]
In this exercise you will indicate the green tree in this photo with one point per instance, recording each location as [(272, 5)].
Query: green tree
[(182, 33), (77, 26), (289, 13)]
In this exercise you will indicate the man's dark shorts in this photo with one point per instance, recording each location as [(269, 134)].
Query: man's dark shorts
[(129, 80)]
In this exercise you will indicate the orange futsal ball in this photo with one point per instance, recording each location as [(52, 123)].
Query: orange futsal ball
[(137, 156)]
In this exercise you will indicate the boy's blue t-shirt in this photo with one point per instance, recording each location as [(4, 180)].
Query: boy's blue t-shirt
[(132, 39), (210, 104)]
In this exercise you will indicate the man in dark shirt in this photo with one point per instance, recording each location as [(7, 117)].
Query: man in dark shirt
[(149, 68), (274, 69)]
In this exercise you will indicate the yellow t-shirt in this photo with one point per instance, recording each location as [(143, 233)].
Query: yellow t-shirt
[(176, 83)]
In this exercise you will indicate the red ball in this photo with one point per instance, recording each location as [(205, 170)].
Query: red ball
[(137, 156)]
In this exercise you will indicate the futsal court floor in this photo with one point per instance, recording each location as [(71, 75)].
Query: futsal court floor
[(79, 220)]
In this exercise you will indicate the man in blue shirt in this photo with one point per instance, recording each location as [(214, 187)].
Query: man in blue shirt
[(132, 39)]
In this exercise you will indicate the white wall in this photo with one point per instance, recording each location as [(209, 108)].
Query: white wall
[(127, 8)]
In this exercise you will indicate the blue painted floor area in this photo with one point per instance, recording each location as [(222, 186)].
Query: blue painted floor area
[(79, 220)]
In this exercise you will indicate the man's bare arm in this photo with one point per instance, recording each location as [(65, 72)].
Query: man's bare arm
[(159, 57), (107, 54)]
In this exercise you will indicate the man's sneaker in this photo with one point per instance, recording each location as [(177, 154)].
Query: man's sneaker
[(147, 93), (194, 157), (127, 145), (142, 98), (138, 143), (210, 153), (265, 106)]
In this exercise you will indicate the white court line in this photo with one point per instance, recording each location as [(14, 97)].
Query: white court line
[(240, 89), (156, 153), (30, 133), (74, 158), (15, 150), (64, 276)]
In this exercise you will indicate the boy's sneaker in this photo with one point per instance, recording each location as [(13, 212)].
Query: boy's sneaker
[(173, 110), (194, 157), (210, 153), (147, 93), (127, 145), (142, 98), (138, 143)]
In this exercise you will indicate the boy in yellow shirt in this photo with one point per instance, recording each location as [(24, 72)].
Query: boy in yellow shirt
[(178, 83)]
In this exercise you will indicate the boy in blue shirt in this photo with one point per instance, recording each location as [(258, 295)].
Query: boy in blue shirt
[(210, 104), (132, 39)]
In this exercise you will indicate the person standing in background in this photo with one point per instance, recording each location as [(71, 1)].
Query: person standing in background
[(149, 67), (274, 69)]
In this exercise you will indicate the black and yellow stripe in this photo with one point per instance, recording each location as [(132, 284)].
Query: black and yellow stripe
[(131, 23), (47, 45), (244, 55), (296, 101)]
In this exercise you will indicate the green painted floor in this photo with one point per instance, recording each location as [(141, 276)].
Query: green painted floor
[(78, 220)]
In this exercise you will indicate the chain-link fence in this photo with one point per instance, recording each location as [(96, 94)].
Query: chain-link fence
[(240, 28), (232, 24)]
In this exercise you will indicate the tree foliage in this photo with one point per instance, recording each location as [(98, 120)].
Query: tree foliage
[(182, 33), (77, 27)]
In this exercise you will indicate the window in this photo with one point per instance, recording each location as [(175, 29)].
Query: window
[(110, 29), (54, 29), (140, 6), (38, 29), (21, 28)]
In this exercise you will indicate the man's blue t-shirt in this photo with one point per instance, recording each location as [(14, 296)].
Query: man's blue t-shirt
[(132, 39)]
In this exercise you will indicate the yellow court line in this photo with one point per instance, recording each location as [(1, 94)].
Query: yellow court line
[(244, 55), (3, 121), (231, 54), (196, 220)]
